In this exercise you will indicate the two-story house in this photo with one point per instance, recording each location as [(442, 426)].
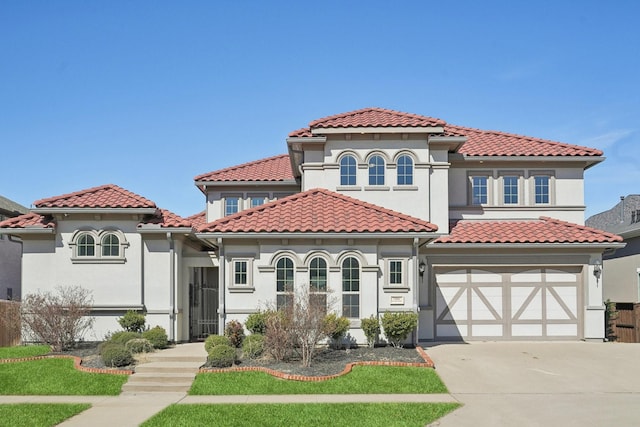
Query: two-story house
[(480, 232)]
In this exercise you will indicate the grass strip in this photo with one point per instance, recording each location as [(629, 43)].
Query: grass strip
[(55, 377), (296, 414), (361, 380), (38, 414), (20, 351)]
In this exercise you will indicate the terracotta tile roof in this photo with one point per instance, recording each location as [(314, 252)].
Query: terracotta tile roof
[(166, 219), (543, 230), (495, 143), (29, 220), (319, 211), (276, 168), (105, 196), (198, 220), (371, 118)]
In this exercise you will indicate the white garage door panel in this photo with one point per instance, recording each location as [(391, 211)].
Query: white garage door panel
[(532, 303)]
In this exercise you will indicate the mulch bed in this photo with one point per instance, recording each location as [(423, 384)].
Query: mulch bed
[(326, 361)]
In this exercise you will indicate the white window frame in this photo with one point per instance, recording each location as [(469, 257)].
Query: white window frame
[(550, 187), (226, 198), (488, 176), (351, 293), (519, 183), (236, 286), (98, 256)]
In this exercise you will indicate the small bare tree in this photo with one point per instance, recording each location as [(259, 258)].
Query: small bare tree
[(58, 318), (9, 323), (308, 322)]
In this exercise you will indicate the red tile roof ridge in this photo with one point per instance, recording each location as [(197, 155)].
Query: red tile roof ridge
[(28, 220), (586, 228), (205, 176), (298, 196), (580, 149), (427, 121), (54, 201)]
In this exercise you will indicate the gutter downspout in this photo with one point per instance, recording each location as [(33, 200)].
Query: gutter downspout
[(172, 293), (416, 290), (142, 273), (221, 287)]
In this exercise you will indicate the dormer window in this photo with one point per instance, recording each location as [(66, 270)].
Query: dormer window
[(376, 170), (348, 168)]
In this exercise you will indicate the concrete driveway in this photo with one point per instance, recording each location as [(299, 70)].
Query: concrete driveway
[(541, 384)]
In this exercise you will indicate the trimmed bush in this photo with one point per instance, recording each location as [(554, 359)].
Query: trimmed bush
[(235, 332), (214, 341), (257, 322), (222, 356), (132, 321), (336, 328), (123, 336), (116, 355), (157, 336), (139, 345), (398, 326), (371, 328), (253, 346)]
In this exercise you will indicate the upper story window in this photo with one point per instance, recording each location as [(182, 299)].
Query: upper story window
[(510, 189), (257, 201), (405, 170), (110, 245), (541, 189), (284, 283), (86, 245), (351, 288), (98, 246), (231, 205), (348, 167), (376, 170), (479, 190)]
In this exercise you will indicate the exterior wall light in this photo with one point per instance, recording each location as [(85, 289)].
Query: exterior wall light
[(421, 268), (597, 269)]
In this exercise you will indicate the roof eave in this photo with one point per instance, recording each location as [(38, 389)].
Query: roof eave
[(588, 160), (154, 228), (452, 143), (280, 183), (600, 245), (316, 235), (375, 129), (306, 139), (27, 230)]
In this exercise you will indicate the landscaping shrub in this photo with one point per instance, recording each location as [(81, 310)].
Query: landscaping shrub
[(139, 345), (132, 321), (257, 322), (214, 341), (123, 337), (235, 332), (336, 328), (116, 355), (157, 336), (398, 326), (279, 339), (371, 328), (222, 356), (253, 346)]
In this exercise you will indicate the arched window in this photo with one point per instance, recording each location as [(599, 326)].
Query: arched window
[(405, 170), (376, 170), (348, 170), (110, 245), (351, 288), (318, 275), (86, 245), (284, 283)]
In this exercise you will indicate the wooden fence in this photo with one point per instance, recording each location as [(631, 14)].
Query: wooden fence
[(9, 323), (626, 322)]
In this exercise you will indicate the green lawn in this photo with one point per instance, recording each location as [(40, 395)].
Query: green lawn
[(23, 351), (295, 414), (38, 414), (55, 377), (362, 380)]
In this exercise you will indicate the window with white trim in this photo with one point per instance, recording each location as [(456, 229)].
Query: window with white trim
[(98, 246), (110, 245), (240, 272), (510, 189), (395, 272), (351, 288), (231, 205), (405, 170), (348, 168), (376, 170), (284, 283), (479, 190), (318, 283), (257, 201), (86, 245), (541, 189)]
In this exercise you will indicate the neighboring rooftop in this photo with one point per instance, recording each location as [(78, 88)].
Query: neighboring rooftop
[(28, 220), (543, 230), (623, 217), (11, 208), (318, 211)]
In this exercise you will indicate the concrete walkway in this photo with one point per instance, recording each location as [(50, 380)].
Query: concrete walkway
[(166, 378)]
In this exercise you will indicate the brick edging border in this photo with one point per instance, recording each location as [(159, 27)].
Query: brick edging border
[(428, 363), (77, 364)]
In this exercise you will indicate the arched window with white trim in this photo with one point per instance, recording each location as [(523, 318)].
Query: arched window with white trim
[(405, 170), (348, 167), (376, 170), (351, 287), (284, 283)]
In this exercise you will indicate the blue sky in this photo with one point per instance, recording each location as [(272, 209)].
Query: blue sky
[(148, 94)]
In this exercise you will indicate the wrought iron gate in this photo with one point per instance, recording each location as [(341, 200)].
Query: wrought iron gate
[(203, 303)]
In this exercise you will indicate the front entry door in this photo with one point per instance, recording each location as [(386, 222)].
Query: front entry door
[(203, 302)]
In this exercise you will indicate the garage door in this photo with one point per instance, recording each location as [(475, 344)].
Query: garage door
[(508, 303)]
